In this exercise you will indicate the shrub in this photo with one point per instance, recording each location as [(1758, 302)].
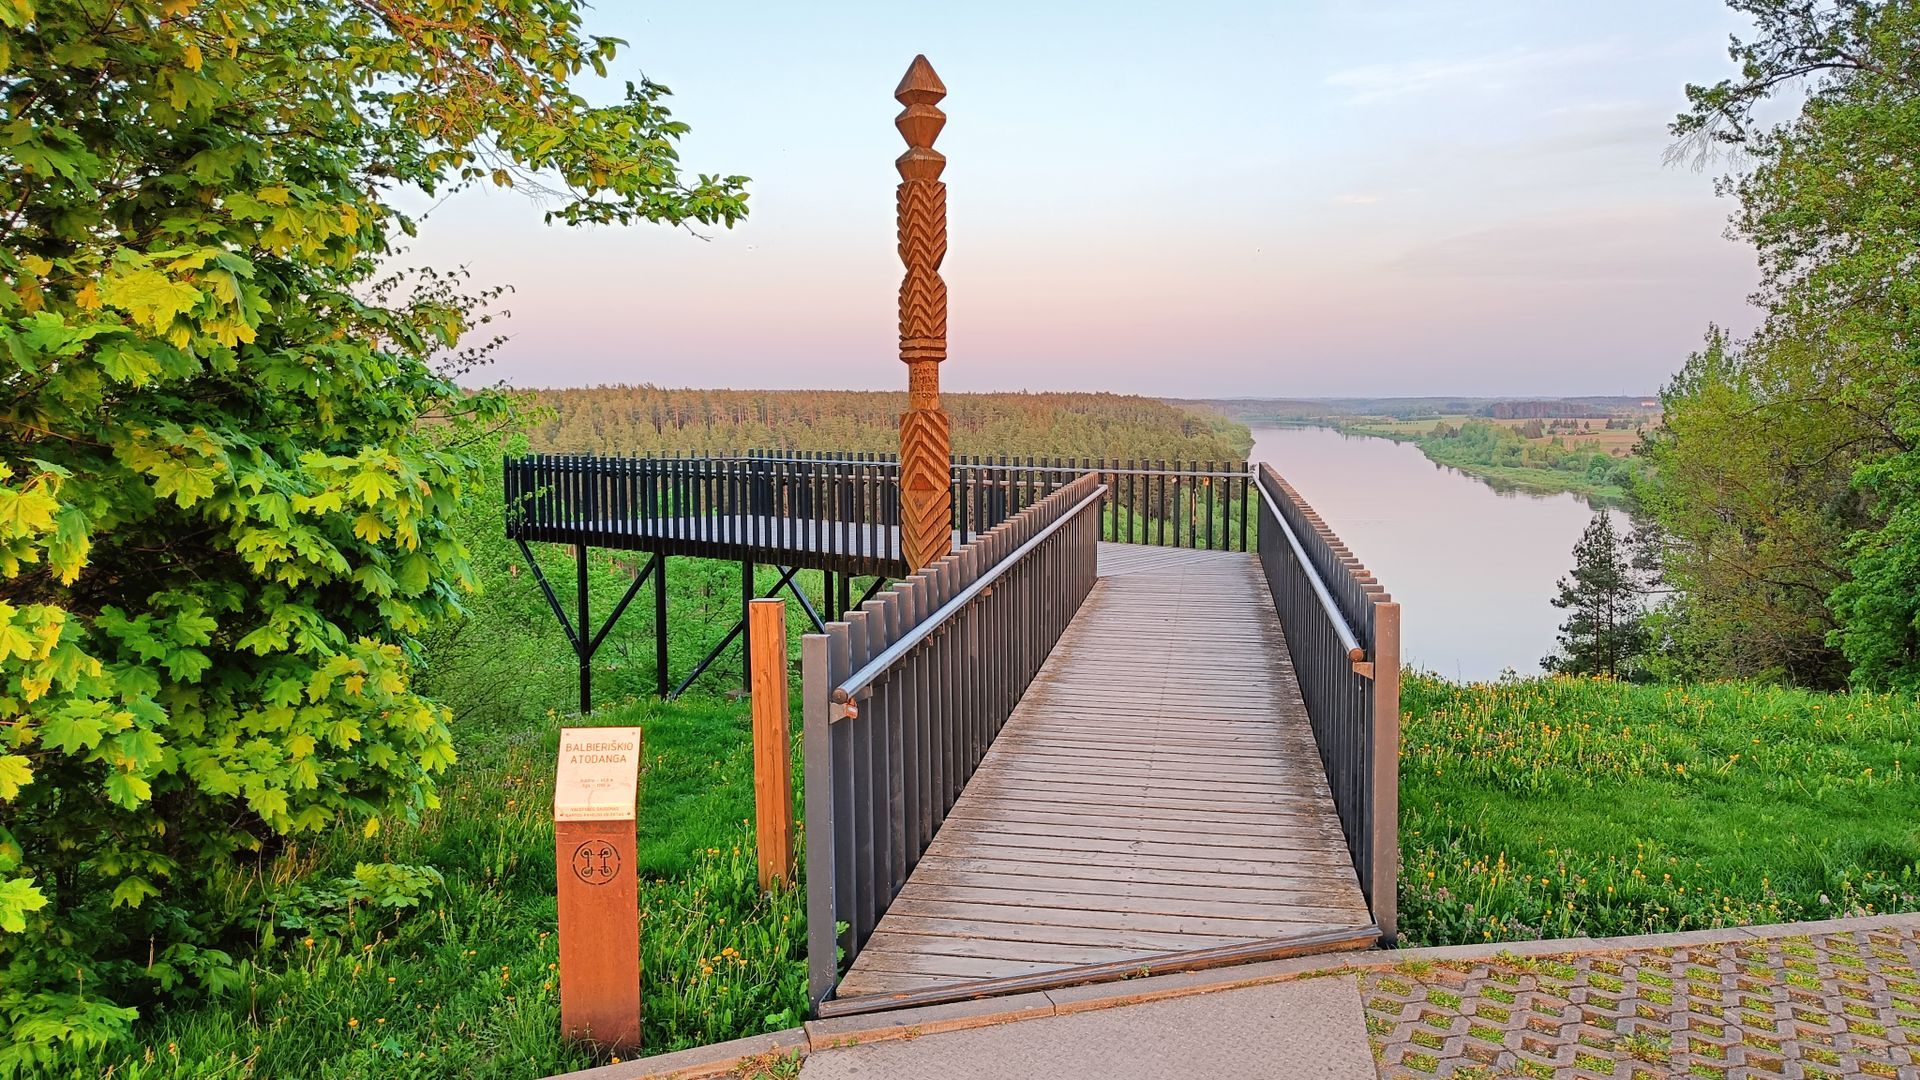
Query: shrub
[(222, 524)]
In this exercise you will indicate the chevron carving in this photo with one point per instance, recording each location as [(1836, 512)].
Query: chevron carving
[(923, 295), (926, 512), (926, 497)]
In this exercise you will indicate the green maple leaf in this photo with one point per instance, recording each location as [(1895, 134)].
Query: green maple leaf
[(17, 897), (140, 749), (149, 296), (131, 891), (128, 791), (129, 363), (70, 731), (72, 541), (187, 484), (372, 486), (13, 642), (412, 574), (15, 773)]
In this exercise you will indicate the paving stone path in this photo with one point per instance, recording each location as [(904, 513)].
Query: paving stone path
[(1821, 1005), (1806, 1000)]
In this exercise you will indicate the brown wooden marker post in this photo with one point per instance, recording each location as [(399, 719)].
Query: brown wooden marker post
[(772, 741), (596, 786), (926, 477)]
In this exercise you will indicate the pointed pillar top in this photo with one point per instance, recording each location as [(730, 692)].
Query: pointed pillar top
[(920, 86)]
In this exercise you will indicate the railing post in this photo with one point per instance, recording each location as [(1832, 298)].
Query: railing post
[(1385, 872), (816, 749)]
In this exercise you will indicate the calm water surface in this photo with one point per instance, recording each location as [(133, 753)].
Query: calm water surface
[(1473, 568)]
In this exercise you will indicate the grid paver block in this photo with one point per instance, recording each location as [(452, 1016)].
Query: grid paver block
[(1844, 1003)]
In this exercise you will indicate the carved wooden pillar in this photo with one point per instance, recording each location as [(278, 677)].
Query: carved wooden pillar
[(926, 495)]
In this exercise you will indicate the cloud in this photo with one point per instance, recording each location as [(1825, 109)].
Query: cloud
[(1373, 83), (1628, 243)]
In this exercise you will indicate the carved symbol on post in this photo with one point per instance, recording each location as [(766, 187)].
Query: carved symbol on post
[(596, 862)]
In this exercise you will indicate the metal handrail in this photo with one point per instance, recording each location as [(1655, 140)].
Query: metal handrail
[(985, 466), (1340, 627), (891, 655)]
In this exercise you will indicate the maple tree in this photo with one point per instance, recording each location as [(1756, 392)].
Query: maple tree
[(224, 507)]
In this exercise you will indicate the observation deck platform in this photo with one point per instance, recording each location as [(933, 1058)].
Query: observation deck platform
[(1155, 794)]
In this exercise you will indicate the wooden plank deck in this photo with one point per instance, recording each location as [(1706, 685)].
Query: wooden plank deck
[(1157, 790)]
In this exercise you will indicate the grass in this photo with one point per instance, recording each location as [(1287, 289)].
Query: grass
[(1561, 807), (465, 984)]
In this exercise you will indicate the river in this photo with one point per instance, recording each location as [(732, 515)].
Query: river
[(1473, 568)]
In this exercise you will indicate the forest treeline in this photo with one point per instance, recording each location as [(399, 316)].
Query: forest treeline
[(646, 418), (1299, 410)]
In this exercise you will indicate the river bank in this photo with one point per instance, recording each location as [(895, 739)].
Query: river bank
[(1507, 460)]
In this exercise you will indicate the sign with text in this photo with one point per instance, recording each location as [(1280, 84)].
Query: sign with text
[(599, 774), (596, 786)]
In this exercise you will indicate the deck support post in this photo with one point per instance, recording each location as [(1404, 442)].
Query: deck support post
[(739, 630), (660, 623), (746, 612), (580, 646)]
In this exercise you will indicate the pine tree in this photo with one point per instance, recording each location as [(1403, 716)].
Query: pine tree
[(1604, 633)]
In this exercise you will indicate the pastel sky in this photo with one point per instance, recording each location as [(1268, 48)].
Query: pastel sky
[(1315, 197)]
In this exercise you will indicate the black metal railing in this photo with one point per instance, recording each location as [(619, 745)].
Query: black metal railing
[(1189, 504), (843, 510), (1343, 632), (726, 505), (903, 699)]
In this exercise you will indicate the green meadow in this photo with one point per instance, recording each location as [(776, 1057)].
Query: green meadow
[(1557, 807)]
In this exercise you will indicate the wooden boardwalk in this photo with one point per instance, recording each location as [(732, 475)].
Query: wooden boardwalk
[(1156, 791)]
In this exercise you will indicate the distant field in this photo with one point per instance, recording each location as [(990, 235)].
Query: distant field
[(640, 419), (1258, 411)]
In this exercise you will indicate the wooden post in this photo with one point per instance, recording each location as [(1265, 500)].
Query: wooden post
[(926, 491), (772, 748), (596, 785), (1384, 875)]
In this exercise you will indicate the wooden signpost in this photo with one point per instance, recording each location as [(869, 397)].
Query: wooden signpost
[(595, 791)]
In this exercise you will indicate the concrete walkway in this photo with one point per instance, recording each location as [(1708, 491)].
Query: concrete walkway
[(1829, 999), (1312, 1025)]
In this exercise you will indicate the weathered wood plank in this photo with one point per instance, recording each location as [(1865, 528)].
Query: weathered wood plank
[(1190, 897), (1120, 876), (1238, 929), (1054, 933)]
